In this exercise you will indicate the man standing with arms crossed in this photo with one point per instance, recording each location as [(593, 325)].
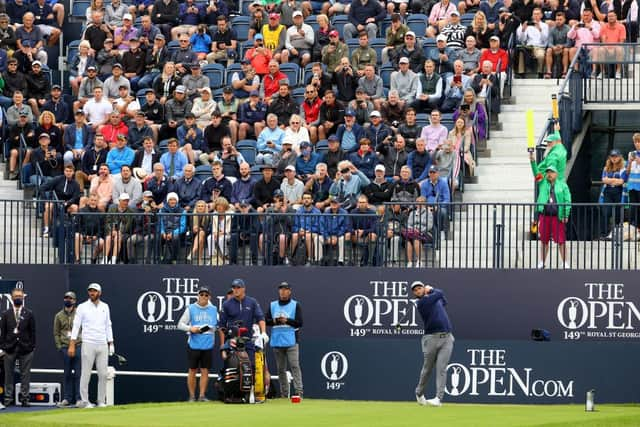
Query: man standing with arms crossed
[(62, 326), (285, 315), (437, 341), (199, 320), (93, 317)]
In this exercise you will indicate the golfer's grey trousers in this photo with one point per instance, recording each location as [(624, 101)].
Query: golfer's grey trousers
[(98, 353), (437, 350), (290, 355)]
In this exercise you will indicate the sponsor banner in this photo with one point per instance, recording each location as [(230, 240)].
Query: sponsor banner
[(361, 323)]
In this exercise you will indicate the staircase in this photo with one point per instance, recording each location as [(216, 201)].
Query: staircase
[(506, 176)]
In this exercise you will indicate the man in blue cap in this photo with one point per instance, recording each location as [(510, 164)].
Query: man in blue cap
[(243, 311)]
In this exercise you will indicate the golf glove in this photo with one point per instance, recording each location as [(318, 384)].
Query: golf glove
[(112, 349), (265, 338)]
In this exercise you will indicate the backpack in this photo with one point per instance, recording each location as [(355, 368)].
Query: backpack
[(300, 253)]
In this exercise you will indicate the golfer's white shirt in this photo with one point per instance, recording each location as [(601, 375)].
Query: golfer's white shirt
[(95, 322)]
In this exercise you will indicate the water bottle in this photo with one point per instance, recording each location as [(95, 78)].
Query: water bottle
[(56, 395)]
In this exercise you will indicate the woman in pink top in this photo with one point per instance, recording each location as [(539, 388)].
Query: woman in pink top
[(102, 185), (439, 17)]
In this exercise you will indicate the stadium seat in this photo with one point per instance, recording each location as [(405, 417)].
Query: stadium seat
[(241, 25), (352, 44), (422, 119), (141, 96), (447, 120), (417, 22), (322, 146), (172, 46), (72, 51), (428, 44), (256, 172), (298, 95), (235, 67), (338, 22), (292, 71), (244, 46), (248, 149), (385, 74), (307, 70), (377, 45), (215, 72), (386, 23), (79, 11), (313, 22), (217, 94), (203, 172)]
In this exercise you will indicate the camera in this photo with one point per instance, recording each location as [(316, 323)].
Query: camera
[(393, 138), (580, 24), (503, 19), (395, 124), (531, 23), (441, 50)]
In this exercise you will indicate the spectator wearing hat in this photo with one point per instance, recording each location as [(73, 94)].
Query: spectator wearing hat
[(274, 37), (57, 105), (203, 107), (348, 135), (509, 22), (292, 187), (133, 63), (346, 81), (118, 228), (411, 51), (78, 67), (126, 105), (76, 139), (299, 40), (362, 106), (269, 141), (45, 157), (87, 85), (30, 42), (284, 106), (259, 56), (395, 36), (64, 188), (14, 81), (251, 115), (184, 56), (120, 155), (153, 111), (287, 156), (377, 132), (364, 17), (106, 58), (404, 82), (333, 52), (245, 80), (258, 17), (363, 55), (111, 85), (307, 161), (265, 187), (276, 231), (454, 31), (442, 57), (348, 184), (336, 230), (92, 158), (175, 111), (496, 55), (62, 326), (38, 87), (614, 177), (155, 58), (553, 207), (556, 156), (335, 154), (439, 17), (166, 16), (102, 185), (139, 130), (173, 225), (379, 189), (122, 35), (144, 159), (90, 225), (23, 128), (436, 191)]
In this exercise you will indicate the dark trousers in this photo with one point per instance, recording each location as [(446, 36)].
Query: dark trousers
[(237, 242), (25, 375), (72, 370), (634, 211), (611, 195)]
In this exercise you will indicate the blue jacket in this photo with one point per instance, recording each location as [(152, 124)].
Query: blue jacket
[(359, 13), (366, 221), (197, 142), (308, 220), (69, 137), (336, 224), (209, 184), (366, 164), (188, 192), (431, 309), (358, 133), (242, 190), (159, 189), (376, 136), (248, 311), (175, 224), (116, 158), (247, 115), (419, 164), (200, 43), (59, 109), (307, 167), (438, 193)]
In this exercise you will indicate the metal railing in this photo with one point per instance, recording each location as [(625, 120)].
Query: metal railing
[(599, 65), (461, 235)]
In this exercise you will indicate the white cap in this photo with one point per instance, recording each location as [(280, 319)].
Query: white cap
[(95, 286), (375, 113), (127, 16), (290, 168), (410, 33), (403, 60), (296, 13), (441, 37), (380, 167), (173, 195), (123, 196)]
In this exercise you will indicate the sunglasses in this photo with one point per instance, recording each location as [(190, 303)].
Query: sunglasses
[(295, 123), (345, 171)]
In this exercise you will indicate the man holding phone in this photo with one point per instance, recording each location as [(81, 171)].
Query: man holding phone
[(199, 321)]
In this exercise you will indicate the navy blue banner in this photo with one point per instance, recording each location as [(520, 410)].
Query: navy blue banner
[(361, 334)]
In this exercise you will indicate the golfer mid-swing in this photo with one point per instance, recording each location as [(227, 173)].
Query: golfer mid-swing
[(437, 341)]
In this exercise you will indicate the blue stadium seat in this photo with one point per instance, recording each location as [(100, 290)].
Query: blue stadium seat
[(172, 46), (422, 119), (386, 23), (312, 22), (141, 96), (385, 74), (292, 70), (248, 149), (377, 45), (244, 46), (79, 10), (307, 71), (241, 25), (298, 95), (215, 72), (322, 146), (352, 44), (217, 95), (235, 67), (417, 22), (338, 22), (447, 120)]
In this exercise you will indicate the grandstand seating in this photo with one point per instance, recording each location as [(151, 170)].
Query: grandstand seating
[(216, 73)]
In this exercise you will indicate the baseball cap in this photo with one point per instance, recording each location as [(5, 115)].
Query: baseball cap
[(203, 289), (551, 168), (227, 89), (121, 136), (552, 138), (38, 63), (434, 168), (134, 39), (305, 144), (494, 38), (123, 196), (147, 193), (149, 90), (278, 193), (70, 294), (91, 67), (56, 87), (195, 66), (410, 34), (380, 167), (173, 195), (24, 114), (95, 286), (615, 152), (503, 9), (244, 202), (284, 285), (258, 37), (189, 116), (43, 135), (333, 138), (181, 89), (237, 283), (290, 168), (108, 40), (245, 61), (334, 33), (127, 16), (416, 284), (375, 113), (254, 93), (159, 37), (350, 113), (274, 15), (271, 167), (80, 112), (441, 37), (455, 12), (404, 60), (296, 14), (140, 113)]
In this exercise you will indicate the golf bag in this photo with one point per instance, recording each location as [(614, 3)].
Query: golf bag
[(236, 378)]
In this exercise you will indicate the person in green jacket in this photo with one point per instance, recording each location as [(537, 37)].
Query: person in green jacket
[(556, 156), (553, 207)]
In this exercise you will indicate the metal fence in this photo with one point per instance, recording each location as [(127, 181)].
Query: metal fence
[(609, 72), (456, 235)]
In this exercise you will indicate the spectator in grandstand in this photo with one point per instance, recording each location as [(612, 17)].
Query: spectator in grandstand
[(245, 228), (348, 184), (633, 181), (106, 59), (362, 107), (333, 52), (404, 188), (65, 189), (190, 138), (57, 106), (473, 112), (331, 115), (455, 32), (534, 36), (491, 10), (184, 56), (480, 30), (97, 32), (611, 32), (230, 157), (318, 184), (155, 58), (201, 42), (295, 133), (147, 31), (242, 188), (90, 231), (308, 227), (188, 188), (87, 86), (269, 141), (364, 17), (118, 228), (7, 35), (434, 134), (319, 79), (553, 207), (364, 232), (165, 84), (216, 185), (395, 36), (455, 87), (409, 50), (38, 87), (116, 13), (165, 16), (17, 109), (496, 55), (363, 55), (145, 158), (252, 113), (336, 230), (201, 226), (470, 56), (173, 224), (259, 56), (448, 163), (393, 155), (439, 17), (419, 161), (126, 104), (306, 161), (159, 185), (190, 17), (322, 36), (173, 160), (45, 19), (460, 139), (92, 158), (409, 128), (265, 187), (287, 156), (556, 156), (292, 187), (139, 130), (346, 81), (405, 82), (213, 135), (78, 67), (372, 86), (442, 57), (44, 158), (102, 185), (120, 155), (97, 109), (22, 128), (614, 177), (144, 229), (393, 110), (274, 37), (176, 109), (396, 218), (299, 40), (133, 63), (486, 87), (127, 183), (16, 9), (245, 81), (30, 42), (77, 140), (436, 191), (153, 111), (509, 22), (429, 89), (276, 230), (418, 231), (376, 133), (629, 14), (558, 49), (14, 80), (379, 189), (122, 35), (46, 124), (348, 135), (271, 82), (113, 129), (257, 14), (203, 107), (111, 85)]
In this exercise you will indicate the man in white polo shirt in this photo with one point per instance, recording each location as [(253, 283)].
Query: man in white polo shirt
[(94, 319)]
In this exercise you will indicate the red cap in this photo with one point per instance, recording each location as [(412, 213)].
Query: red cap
[(274, 15), (333, 33)]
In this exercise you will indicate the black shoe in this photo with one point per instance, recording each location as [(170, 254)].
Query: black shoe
[(25, 403), (8, 403)]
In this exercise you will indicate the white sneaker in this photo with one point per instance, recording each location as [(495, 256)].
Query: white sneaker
[(409, 264), (618, 75), (101, 405), (540, 265), (434, 402), (85, 405), (2, 407), (63, 404), (567, 266), (421, 400)]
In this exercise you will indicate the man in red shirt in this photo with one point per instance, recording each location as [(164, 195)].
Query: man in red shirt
[(259, 56), (311, 111), (611, 32), (271, 82), (496, 54), (114, 128)]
